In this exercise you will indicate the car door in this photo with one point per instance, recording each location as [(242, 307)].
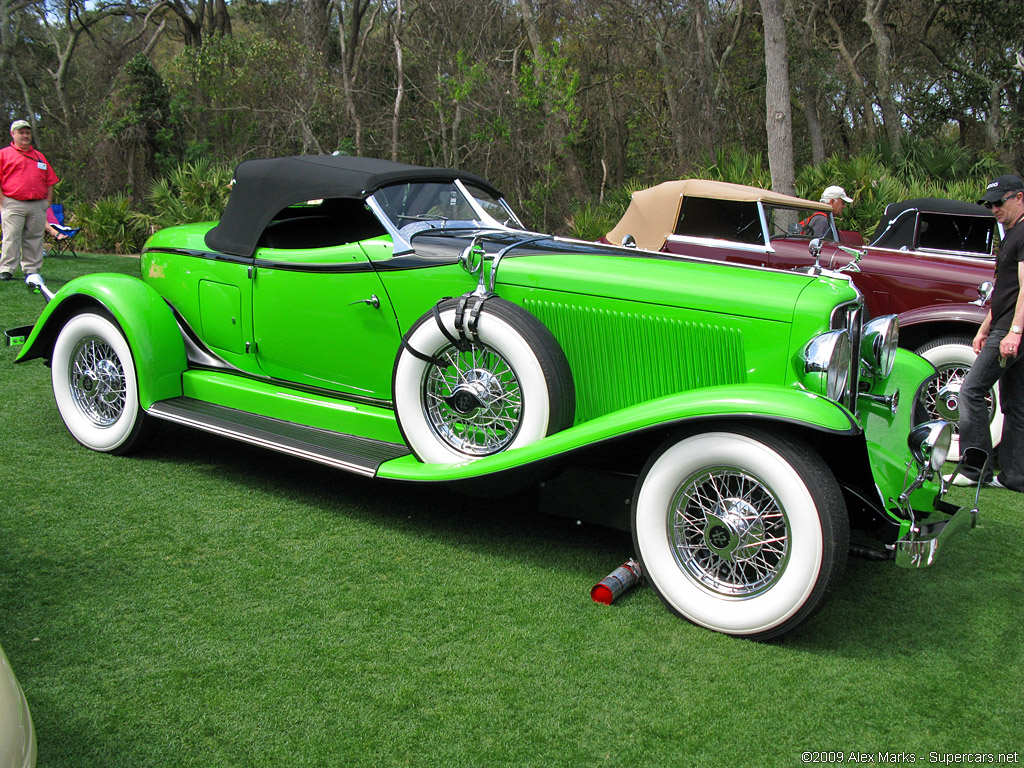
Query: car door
[(321, 318)]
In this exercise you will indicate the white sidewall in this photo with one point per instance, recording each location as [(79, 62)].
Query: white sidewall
[(961, 354), (85, 431), (496, 333), (730, 615)]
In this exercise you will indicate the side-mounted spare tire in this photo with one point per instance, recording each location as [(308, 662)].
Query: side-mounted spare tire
[(499, 381)]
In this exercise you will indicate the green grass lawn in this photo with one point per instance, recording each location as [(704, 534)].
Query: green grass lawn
[(204, 603)]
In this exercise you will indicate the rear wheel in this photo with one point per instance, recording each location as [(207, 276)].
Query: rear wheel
[(95, 384), (741, 532), (952, 357)]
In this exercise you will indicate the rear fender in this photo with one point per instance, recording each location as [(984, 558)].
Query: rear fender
[(145, 319)]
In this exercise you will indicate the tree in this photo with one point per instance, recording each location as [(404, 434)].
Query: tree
[(555, 86), (139, 115), (779, 113)]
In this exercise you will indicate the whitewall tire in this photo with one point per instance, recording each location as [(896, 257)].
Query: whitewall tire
[(95, 384), (741, 533)]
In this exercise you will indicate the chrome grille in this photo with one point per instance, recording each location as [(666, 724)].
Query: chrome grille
[(850, 316)]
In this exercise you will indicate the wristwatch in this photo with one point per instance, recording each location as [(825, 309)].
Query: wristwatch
[(1016, 329)]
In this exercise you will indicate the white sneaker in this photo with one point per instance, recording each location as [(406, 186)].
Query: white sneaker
[(961, 480), (994, 482)]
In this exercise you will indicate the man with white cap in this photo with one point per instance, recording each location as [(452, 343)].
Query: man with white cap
[(817, 223), (26, 180)]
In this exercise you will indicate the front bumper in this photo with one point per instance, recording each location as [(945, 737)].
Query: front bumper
[(921, 545)]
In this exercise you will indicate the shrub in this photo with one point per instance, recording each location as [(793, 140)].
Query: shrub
[(108, 226), (195, 191)]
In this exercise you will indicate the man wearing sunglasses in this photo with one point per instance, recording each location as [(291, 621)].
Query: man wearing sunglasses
[(998, 346)]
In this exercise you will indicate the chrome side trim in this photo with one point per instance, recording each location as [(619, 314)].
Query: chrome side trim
[(715, 243), (196, 352)]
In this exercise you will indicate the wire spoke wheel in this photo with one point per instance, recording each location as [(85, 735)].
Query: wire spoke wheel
[(97, 381), (95, 384), (474, 404), (729, 532), (952, 357), (744, 532), (941, 397), (506, 385)]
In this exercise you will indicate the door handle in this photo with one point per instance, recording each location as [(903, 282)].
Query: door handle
[(373, 301)]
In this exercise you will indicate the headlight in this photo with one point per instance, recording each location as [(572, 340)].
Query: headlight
[(878, 344), (929, 442), (827, 363)]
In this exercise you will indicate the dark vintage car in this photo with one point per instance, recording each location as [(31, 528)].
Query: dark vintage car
[(398, 322), (931, 262)]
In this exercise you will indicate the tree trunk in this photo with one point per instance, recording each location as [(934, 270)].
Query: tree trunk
[(814, 131), (779, 122), (848, 59), (316, 26), (562, 149), (396, 115), (884, 61)]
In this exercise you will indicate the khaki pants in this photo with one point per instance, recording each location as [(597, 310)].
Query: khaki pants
[(23, 226)]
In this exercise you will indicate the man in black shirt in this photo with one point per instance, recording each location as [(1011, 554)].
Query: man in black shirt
[(998, 346)]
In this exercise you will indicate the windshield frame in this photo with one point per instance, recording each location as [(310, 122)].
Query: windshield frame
[(403, 239)]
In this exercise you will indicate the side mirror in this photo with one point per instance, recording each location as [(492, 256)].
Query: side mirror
[(629, 242)]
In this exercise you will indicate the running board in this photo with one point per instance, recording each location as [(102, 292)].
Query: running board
[(349, 452)]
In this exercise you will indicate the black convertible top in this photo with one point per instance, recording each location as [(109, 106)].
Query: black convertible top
[(263, 188), (896, 230)]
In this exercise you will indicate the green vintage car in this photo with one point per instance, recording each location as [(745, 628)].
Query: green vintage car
[(399, 322)]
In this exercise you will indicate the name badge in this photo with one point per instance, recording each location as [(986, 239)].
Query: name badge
[(41, 165)]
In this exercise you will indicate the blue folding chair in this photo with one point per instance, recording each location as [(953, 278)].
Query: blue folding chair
[(65, 235)]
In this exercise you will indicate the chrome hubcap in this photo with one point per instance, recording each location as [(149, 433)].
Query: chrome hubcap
[(475, 403), (941, 398), (947, 404), (96, 382), (729, 533)]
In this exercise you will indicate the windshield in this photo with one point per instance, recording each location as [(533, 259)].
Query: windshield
[(411, 208), (786, 222)]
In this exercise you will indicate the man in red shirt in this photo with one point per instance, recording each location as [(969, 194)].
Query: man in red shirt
[(26, 180)]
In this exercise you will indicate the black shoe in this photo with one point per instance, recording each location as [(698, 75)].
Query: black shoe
[(6, 276)]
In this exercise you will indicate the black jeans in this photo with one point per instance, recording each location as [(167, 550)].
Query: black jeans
[(974, 421)]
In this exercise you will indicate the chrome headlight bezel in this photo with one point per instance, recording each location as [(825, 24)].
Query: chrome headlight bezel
[(878, 345), (929, 443), (827, 361)]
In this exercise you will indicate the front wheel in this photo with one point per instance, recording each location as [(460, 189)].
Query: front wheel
[(952, 357), (95, 384), (741, 532)]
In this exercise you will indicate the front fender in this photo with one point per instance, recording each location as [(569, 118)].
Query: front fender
[(145, 319), (944, 313), (779, 404)]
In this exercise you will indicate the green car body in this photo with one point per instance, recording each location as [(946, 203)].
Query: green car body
[(314, 319)]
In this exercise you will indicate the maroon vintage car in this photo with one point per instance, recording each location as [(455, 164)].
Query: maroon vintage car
[(930, 261)]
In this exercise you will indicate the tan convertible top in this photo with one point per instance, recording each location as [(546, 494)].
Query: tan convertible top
[(653, 212)]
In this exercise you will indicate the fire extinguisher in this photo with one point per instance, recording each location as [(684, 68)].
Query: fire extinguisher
[(623, 578)]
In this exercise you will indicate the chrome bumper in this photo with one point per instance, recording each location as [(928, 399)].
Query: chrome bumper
[(921, 546)]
